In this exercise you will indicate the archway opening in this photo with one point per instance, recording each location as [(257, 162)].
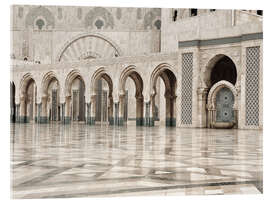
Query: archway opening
[(30, 110), (221, 69), (164, 98), (224, 69), (133, 97), (12, 103), (104, 99), (78, 99), (52, 92)]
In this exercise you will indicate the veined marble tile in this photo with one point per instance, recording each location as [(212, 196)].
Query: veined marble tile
[(54, 160)]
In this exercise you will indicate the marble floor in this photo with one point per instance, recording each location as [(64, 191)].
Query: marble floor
[(77, 160)]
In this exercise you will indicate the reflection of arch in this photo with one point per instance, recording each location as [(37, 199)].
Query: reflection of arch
[(75, 39), (213, 108), (168, 76), (211, 66), (131, 72)]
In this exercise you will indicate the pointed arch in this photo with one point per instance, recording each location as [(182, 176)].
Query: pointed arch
[(76, 38), (69, 79), (214, 90)]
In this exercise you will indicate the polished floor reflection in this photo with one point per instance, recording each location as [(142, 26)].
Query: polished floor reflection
[(58, 161)]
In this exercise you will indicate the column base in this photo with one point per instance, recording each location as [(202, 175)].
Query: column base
[(12, 119), (170, 122), (149, 122), (139, 121), (111, 121), (90, 120), (120, 121), (23, 119), (67, 120), (42, 120)]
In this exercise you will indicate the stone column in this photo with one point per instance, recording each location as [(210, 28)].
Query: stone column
[(116, 113), (139, 111), (110, 111), (168, 109), (202, 110), (173, 111), (17, 113), (92, 110), (121, 110), (43, 118), (88, 113), (62, 112), (39, 111), (23, 117), (34, 104), (67, 117), (148, 114), (151, 112)]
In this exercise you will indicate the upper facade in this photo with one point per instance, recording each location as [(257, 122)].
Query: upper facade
[(51, 34), (43, 33)]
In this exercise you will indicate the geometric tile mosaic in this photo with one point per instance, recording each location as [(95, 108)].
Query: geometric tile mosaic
[(186, 91), (224, 105), (252, 85)]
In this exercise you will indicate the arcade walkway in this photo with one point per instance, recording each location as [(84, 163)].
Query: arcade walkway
[(77, 160)]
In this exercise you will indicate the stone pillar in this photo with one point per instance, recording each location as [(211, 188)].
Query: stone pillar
[(151, 112), (39, 112), (148, 114), (23, 117), (88, 113), (139, 111), (43, 117), (116, 113), (67, 117), (202, 110), (168, 109), (35, 103), (110, 111), (17, 113), (121, 107), (173, 111), (92, 110), (62, 112)]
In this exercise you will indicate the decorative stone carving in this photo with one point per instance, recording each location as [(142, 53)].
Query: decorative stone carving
[(186, 91), (79, 13), (35, 13), (60, 13), (151, 17), (99, 14), (139, 13), (252, 85), (20, 12), (118, 13)]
